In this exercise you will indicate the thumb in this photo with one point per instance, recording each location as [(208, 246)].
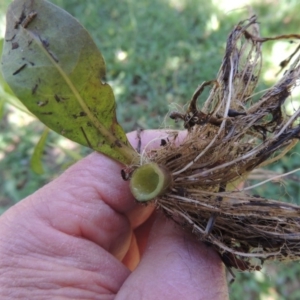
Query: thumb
[(176, 266)]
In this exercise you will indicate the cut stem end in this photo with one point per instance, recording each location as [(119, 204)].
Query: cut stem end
[(149, 181)]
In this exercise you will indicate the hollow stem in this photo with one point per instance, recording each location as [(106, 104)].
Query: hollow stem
[(149, 181)]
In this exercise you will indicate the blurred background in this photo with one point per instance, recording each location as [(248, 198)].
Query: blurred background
[(157, 52)]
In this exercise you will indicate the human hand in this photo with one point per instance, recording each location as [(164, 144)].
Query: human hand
[(83, 236)]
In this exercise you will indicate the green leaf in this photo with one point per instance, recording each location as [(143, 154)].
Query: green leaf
[(36, 158), (7, 95), (54, 67)]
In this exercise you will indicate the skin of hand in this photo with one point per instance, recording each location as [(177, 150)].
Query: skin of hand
[(83, 236)]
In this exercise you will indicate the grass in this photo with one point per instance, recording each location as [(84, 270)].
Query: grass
[(157, 52)]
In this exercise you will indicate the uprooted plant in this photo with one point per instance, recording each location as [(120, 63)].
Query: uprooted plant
[(231, 136), (195, 180)]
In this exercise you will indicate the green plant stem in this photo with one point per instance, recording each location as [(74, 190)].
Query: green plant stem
[(150, 181)]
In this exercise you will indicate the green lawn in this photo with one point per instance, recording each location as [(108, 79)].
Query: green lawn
[(157, 52)]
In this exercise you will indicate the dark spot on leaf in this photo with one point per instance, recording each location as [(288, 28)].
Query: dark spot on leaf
[(42, 103), (14, 45), (20, 69), (47, 113), (33, 90), (45, 43), (86, 138), (81, 114), (58, 99), (118, 143), (20, 20), (89, 124), (29, 18), (53, 56)]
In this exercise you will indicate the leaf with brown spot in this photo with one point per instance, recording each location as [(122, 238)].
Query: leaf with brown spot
[(57, 64)]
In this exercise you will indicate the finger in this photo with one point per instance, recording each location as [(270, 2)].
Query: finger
[(175, 266), (138, 244), (35, 254), (91, 200), (132, 257), (59, 228)]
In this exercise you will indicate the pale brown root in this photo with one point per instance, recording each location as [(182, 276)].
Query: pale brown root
[(232, 135)]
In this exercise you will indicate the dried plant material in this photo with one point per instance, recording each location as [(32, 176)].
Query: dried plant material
[(229, 137)]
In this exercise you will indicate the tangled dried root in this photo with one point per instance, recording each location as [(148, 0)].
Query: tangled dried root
[(229, 137)]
